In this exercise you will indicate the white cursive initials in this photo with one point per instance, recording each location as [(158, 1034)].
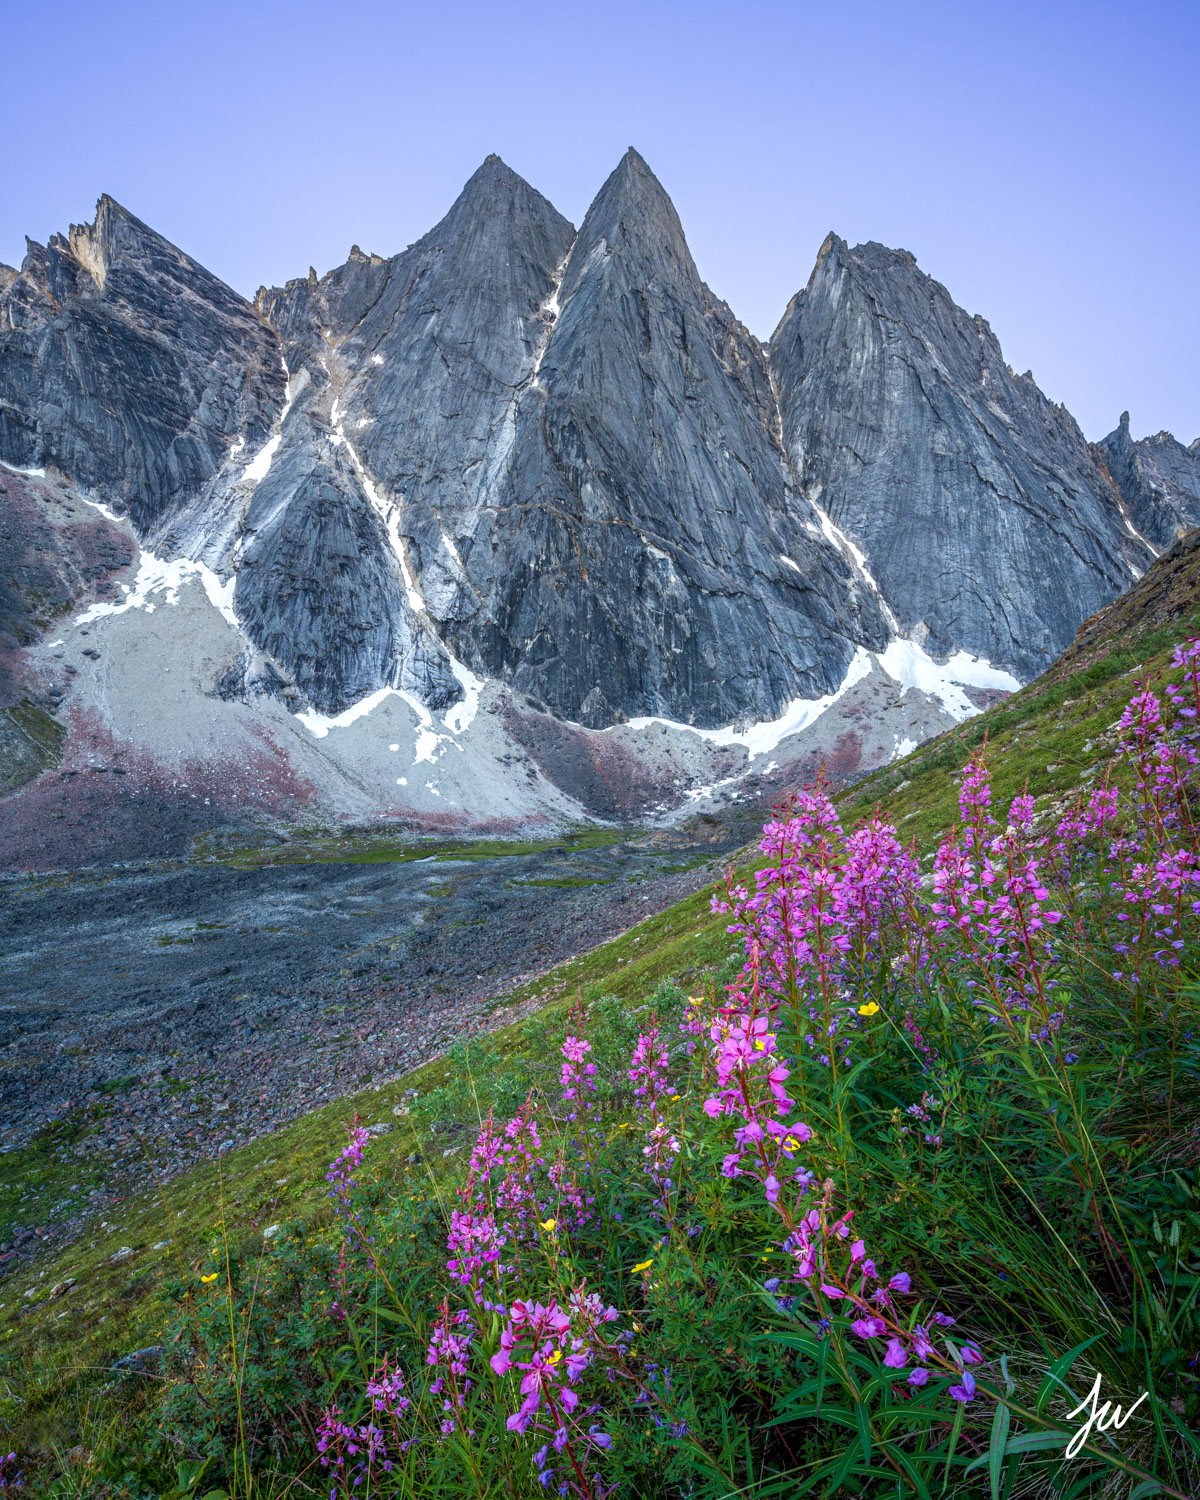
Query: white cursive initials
[(1098, 1416)]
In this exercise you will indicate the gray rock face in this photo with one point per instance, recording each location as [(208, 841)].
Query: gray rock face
[(1159, 481), (984, 516), (558, 462), (128, 367), (411, 368), (648, 555), (571, 444)]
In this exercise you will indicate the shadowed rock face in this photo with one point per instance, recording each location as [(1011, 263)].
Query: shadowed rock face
[(128, 367), (985, 518), (1159, 480)]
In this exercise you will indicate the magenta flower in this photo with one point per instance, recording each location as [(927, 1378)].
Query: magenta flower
[(869, 1328)]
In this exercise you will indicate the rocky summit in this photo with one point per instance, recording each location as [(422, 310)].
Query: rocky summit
[(518, 525)]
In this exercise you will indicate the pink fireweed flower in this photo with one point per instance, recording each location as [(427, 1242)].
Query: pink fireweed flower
[(341, 1171), (578, 1075), (841, 1280), (648, 1068), (553, 1348)]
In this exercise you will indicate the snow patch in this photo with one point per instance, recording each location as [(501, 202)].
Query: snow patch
[(28, 473), (838, 537), (904, 747), (550, 311), (320, 724), (157, 577), (1136, 534), (459, 718), (906, 663), (427, 743), (461, 715), (109, 515), (448, 543), (387, 511), (256, 470), (761, 738)]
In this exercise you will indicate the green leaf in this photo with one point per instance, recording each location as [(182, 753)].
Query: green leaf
[(822, 1473), (1058, 1369), (189, 1472), (864, 1429), (1147, 1487), (1000, 1425), (955, 1432)]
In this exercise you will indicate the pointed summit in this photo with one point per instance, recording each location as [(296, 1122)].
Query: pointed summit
[(496, 202), (870, 360), (633, 217), (1158, 480)]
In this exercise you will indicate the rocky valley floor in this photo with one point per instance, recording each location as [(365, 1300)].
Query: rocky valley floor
[(161, 1013)]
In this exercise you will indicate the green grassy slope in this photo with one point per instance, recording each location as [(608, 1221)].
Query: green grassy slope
[(1050, 738)]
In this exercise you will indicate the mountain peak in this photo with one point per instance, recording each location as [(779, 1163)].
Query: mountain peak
[(492, 192), (633, 215)]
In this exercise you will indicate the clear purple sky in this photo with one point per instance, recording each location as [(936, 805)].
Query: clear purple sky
[(1040, 159)]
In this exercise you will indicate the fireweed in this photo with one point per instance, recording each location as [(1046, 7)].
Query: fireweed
[(746, 1250), (539, 1341)]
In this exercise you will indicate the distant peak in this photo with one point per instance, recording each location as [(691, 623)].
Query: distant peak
[(830, 243), (632, 204), (634, 171), (494, 168), (1125, 420), (492, 189)]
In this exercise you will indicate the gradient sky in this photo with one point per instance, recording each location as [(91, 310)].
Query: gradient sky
[(1041, 160)]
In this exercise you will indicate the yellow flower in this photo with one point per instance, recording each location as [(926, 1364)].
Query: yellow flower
[(549, 1225), (868, 1010), (695, 999), (212, 1276), (642, 1265)]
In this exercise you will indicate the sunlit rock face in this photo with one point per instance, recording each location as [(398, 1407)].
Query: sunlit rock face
[(520, 476)]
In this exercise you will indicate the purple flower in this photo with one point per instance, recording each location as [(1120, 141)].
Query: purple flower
[(869, 1328), (895, 1357)]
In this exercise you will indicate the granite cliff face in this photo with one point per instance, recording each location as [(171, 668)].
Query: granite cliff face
[(128, 367), (1158, 479), (988, 525), (536, 499)]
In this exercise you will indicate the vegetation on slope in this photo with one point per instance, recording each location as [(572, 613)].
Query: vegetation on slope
[(199, 1250)]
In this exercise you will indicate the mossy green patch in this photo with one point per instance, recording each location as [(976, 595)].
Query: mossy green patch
[(30, 743), (374, 848)]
